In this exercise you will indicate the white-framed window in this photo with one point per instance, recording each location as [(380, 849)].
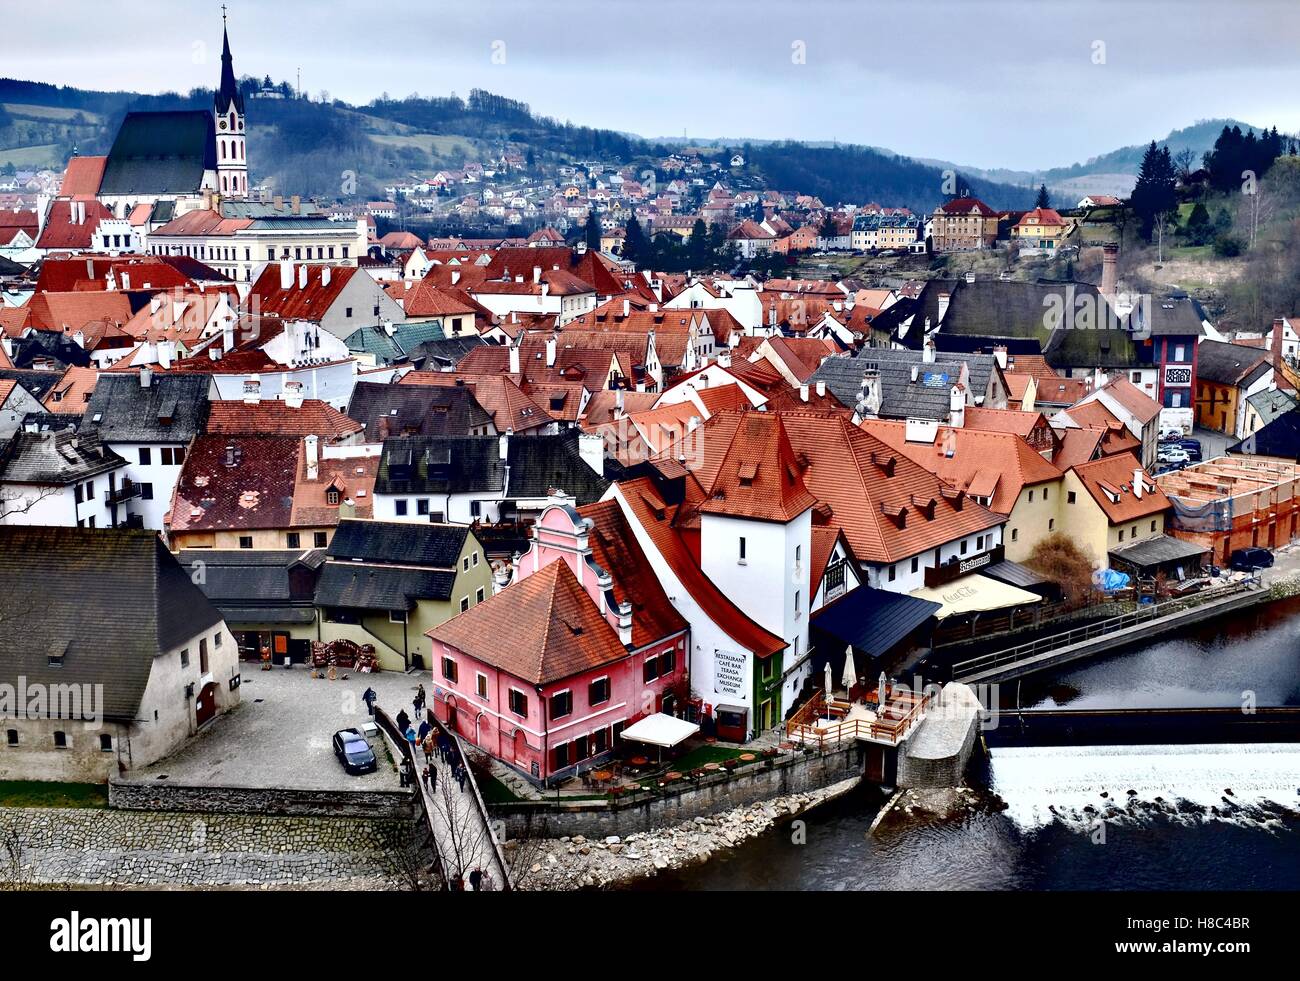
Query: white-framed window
[(481, 685), (396, 616)]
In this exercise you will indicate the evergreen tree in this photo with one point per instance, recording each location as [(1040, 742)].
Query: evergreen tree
[(591, 232), (635, 247), (1154, 194), (1044, 200)]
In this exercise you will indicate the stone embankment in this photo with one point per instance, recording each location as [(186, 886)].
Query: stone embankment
[(580, 863)]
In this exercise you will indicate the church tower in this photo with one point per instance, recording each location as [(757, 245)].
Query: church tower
[(228, 116)]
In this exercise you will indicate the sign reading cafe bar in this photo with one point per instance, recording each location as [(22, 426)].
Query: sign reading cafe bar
[(728, 673), (938, 575)]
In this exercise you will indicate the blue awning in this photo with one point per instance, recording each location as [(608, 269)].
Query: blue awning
[(873, 621)]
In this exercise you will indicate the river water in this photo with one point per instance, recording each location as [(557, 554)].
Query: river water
[(1143, 817)]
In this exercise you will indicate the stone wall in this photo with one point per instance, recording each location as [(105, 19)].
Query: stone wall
[(391, 805), (93, 847), (789, 775), (937, 753)]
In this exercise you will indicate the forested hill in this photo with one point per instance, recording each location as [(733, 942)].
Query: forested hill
[(304, 144)]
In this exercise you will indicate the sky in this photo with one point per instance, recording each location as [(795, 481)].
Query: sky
[(1024, 84)]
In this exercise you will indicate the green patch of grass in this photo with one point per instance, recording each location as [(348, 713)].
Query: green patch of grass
[(28, 157), (41, 793), (494, 791)]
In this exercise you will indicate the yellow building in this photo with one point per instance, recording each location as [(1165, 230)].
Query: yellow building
[(1110, 503)]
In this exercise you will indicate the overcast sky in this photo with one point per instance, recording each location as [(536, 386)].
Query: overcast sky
[(1027, 84)]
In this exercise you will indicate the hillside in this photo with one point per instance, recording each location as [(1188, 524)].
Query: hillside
[(308, 145)]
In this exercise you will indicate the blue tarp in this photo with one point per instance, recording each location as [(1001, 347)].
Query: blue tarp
[(1109, 580)]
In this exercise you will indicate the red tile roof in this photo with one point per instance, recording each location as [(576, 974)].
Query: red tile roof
[(276, 418), (1109, 481), (83, 176), (309, 302), (758, 477), (62, 232), (543, 628)]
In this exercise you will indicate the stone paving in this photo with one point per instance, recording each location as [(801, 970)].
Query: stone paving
[(280, 734)]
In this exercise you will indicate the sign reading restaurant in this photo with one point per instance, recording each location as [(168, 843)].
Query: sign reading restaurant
[(729, 674), (938, 575)]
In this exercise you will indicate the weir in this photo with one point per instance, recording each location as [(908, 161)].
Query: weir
[(1141, 726)]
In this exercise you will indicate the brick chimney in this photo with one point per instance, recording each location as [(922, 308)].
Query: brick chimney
[(1109, 268)]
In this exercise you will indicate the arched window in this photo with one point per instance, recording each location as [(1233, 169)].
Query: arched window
[(222, 144), (224, 186)]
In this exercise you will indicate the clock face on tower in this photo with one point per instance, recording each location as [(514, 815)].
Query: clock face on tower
[(223, 124)]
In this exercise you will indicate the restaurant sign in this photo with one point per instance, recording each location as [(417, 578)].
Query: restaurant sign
[(938, 575), (729, 674)]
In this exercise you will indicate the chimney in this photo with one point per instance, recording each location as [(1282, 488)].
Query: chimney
[(618, 403), (228, 336), (1275, 344), (869, 398), (916, 370), (821, 389), (302, 277), (927, 352), (293, 397), (771, 315), (166, 351), (311, 449), (803, 393), (537, 274), (294, 202), (514, 353), (692, 423), (455, 276), (146, 376), (286, 275), (503, 444), (627, 307), (625, 623), (550, 351), (231, 456), (1109, 268), (253, 390), (324, 275), (957, 408), (944, 298), (278, 201), (1000, 353), (1138, 477), (723, 358)]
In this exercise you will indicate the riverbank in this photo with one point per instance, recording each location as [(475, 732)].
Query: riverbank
[(568, 863)]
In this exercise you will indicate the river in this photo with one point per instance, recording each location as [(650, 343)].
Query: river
[(1146, 817)]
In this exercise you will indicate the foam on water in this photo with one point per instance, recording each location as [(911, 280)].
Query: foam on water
[(1186, 784)]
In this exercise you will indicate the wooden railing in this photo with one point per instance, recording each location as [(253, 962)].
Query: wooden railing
[(808, 725)]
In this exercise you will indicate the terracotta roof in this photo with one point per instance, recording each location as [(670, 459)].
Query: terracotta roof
[(92, 273), (82, 177), (1110, 483), (236, 483), (498, 394), (655, 516), (1077, 446), (965, 206), (1142, 406), (306, 303), (352, 476), (984, 464), (424, 299), (276, 418), (824, 538), (61, 232), (72, 391), (1115, 435), (70, 312), (1002, 420), (541, 629), (1017, 385), (601, 406), (615, 549), (201, 222), (758, 478)]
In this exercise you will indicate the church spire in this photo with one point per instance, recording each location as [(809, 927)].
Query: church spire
[(228, 94)]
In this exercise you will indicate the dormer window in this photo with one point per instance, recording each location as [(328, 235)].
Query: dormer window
[(332, 497)]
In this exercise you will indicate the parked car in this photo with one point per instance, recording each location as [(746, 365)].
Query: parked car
[(1173, 454), (1169, 433), (354, 752), (1193, 448), (1250, 559)]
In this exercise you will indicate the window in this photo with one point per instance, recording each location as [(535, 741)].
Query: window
[(964, 545), (796, 598), (185, 657), (561, 704), (1015, 534), (449, 669), (478, 595), (667, 662), (464, 564), (172, 456), (560, 755), (422, 506), (332, 497), (60, 739), (105, 742), (1045, 492), (320, 539), (480, 685), (11, 737), (916, 563), (145, 457), (396, 616), (464, 604), (475, 509), (245, 541), (518, 702), (348, 313), (651, 670), (742, 549), (893, 573), (1121, 534), (1031, 495), (1069, 497), (598, 692), (1051, 524), (1153, 526), (216, 639), (203, 655), (146, 491), (399, 506), (292, 540)]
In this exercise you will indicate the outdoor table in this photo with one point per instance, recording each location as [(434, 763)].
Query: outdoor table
[(602, 776)]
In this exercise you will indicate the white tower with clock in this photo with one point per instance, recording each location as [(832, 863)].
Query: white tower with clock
[(228, 117)]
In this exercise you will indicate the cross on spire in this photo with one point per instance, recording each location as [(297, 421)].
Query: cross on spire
[(223, 15)]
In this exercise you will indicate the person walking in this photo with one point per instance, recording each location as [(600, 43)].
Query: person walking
[(403, 720), (475, 879), (369, 697), (428, 747), (424, 729), (404, 774), (419, 698), (433, 777), (410, 740), (424, 775)]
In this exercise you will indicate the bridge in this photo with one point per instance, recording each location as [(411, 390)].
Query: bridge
[(1128, 628), (1141, 726)]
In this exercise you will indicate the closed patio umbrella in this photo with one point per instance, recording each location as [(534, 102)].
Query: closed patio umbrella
[(850, 672), (830, 680), (880, 693)]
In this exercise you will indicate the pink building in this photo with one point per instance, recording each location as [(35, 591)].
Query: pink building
[(546, 674)]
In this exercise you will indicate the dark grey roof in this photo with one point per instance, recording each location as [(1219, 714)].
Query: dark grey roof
[(257, 585), (109, 600), (443, 355), (44, 346), (1157, 551), (55, 459), (173, 408), (929, 397), (539, 464), (363, 586), (160, 153), (416, 410), (38, 383), (873, 620), (1013, 574), (1281, 437), (1169, 316), (399, 542), (1230, 364)]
